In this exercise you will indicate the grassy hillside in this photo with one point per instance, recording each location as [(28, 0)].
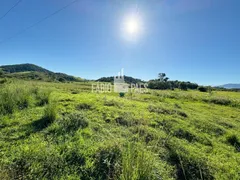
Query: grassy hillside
[(33, 72), (64, 131), (22, 68)]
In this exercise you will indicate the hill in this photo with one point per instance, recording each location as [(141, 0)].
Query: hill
[(22, 68), (231, 86), (34, 72)]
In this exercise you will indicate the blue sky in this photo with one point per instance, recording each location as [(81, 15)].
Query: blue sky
[(189, 40)]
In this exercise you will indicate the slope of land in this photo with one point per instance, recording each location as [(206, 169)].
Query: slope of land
[(64, 131), (34, 72)]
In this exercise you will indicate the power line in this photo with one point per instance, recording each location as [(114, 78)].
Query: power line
[(38, 22), (10, 9)]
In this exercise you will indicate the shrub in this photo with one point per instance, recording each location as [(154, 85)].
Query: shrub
[(183, 86), (121, 94), (202, 89), (61, 79)]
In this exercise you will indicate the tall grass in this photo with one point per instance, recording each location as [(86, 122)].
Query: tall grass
[(50, 113), (72, 122), (137, 164), (16, 96)]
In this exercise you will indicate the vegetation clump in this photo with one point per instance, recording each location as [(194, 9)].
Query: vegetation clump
[(234, 141), (50, 113), (107, 163), (162, 110), (202, 89), (72, 122), (84, 106)]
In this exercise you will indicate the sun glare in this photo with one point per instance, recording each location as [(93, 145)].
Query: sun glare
[(132, 27)]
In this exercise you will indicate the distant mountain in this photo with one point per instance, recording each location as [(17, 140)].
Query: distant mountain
[(23, 68), (34, 72), (127, 79), (231, 86)]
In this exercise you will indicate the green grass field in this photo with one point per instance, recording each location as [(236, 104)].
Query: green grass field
[(64, 131)]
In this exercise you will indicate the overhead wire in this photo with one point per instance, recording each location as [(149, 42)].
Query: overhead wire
[(17, 3), (38, 22)]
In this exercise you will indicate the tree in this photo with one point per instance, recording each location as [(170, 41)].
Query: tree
[(183, 86), (162, 77)]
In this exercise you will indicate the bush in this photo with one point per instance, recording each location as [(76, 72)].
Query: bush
[(121, 94), (183, 86), (202, 89), (61, 79)]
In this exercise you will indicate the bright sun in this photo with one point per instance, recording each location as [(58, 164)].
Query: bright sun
[(132, 27)]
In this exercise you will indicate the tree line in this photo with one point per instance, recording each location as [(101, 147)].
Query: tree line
[(162, 82)]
